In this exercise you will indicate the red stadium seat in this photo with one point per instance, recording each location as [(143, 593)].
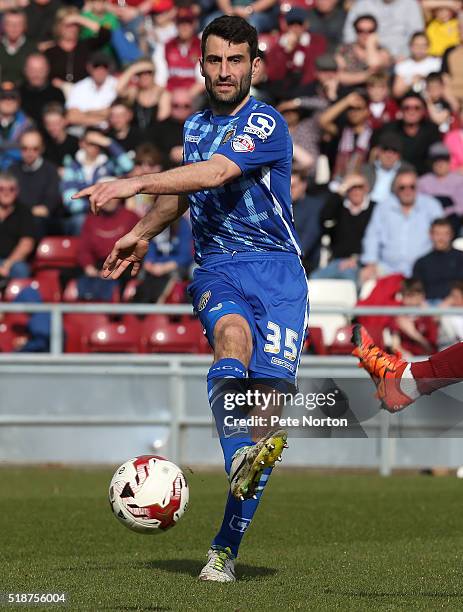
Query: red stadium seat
[(57, 252), (161, 334), (315, 343), (114, 337), (177, 293), (6, 339), (48, 287), (342, 344), (77, 329)]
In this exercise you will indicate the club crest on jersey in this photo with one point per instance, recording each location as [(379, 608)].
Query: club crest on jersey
[(203, 300), (260, 124), (229, 134), (243, 144)]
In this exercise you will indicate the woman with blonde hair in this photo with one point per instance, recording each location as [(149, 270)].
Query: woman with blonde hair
[(150, 102), (69, 55)]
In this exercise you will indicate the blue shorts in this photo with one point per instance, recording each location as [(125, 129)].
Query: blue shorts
[(270, 292)]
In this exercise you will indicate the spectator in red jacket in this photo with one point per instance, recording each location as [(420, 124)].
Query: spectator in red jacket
[(180, 60), (291, 63), (97, 237)]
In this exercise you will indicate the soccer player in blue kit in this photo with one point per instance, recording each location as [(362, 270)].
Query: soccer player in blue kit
[(250, 289)]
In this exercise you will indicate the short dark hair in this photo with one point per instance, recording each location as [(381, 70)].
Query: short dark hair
[(404, 168), (412, 285), (120, 101), (442, 222), (412, 94), (419, 34), (233, 29), (368, 17), (434, 77), (55, 108), (457, 285)]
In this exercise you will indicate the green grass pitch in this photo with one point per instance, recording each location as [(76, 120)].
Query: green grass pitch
[(319, 542)]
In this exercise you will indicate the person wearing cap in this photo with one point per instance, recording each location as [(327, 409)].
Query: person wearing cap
[(178, 60), (381, 172), (327, 17), (344, 217), (13, 122), (364, 56), (290, 63), (14, 46), (89, 100), (443, 184)]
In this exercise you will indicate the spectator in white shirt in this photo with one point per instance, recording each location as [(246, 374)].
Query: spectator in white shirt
[(412, 72), (89, 101)]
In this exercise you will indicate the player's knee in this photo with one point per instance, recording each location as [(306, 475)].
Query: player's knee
[(232, 339)]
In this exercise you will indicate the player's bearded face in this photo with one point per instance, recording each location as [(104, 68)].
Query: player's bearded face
[(228, 90), (227, 70)]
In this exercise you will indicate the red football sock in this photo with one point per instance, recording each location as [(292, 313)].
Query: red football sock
[(440, 370)]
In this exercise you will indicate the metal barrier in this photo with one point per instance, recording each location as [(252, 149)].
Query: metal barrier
[(77, 408), (57, 311)]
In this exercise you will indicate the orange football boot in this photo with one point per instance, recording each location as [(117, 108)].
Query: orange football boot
[(384, 369)]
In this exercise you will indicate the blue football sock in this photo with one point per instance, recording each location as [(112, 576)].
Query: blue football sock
[(237, 517), (225, 377), (224, 380)]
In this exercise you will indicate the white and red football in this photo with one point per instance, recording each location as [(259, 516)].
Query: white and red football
[(148, 494)]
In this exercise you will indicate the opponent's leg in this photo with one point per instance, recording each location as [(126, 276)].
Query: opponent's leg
[(400, 383)]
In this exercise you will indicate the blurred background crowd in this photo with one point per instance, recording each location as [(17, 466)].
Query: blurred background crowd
[(372, 91)]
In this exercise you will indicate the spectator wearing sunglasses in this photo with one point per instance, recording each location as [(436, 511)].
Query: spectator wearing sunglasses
[(38, 181), (399, 230), (414, 130), (358, 60), (397, 21)]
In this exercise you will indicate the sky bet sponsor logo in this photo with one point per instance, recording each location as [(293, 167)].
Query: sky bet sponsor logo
[(243, 144)]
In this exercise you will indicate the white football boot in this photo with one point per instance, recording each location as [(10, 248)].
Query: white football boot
[(220, 566)]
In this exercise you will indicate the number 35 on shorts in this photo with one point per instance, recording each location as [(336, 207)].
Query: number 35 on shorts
[(273, 344)]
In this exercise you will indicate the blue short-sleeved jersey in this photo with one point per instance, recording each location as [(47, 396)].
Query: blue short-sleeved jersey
[(252, 213)]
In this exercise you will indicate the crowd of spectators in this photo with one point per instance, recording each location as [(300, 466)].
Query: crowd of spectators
[(372, 91)]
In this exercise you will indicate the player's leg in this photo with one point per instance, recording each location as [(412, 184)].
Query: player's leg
[(245, 461), (400, 383), (227, 320)]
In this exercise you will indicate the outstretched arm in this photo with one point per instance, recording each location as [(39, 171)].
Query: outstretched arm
[(132, 248), (199, 176)]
